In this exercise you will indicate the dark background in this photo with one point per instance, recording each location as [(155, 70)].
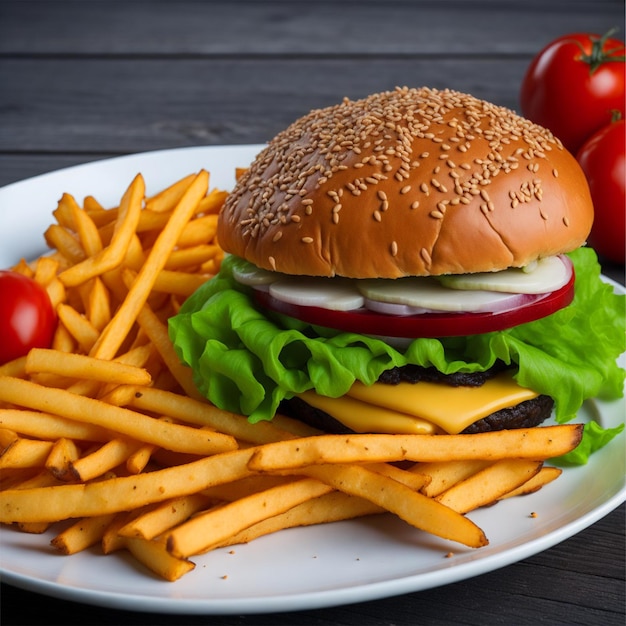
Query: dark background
[(85, 80)]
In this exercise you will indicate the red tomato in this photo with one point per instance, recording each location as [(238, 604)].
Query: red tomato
[(27, 319), (573, 85), (603, 159)]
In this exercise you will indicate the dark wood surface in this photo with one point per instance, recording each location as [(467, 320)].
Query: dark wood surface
[(81, 81)]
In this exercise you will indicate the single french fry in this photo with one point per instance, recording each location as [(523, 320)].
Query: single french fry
[(84, 367), (112, 541), (444, 474), (113, 255), (44, 425), (179, 283), (167, 515), (105, 458), (98, 307), (65, 242), (22, 267), (411, 479), (212, 528), (154, 555), (192, 257), (112, 495), (131, 424), (531, 443), (545, 475), (82, 534), (135, 255), (7, 438), (42, 479), (331, 507), (63, 453), (25, 453), (411, 506), (62, 340), (488, 485), (108, 343), (56, 292), (212, 202), (46, 269), (13, 478), (137, 460), (64, 211), (78, 326), (158, 335), (87, 231), (91, 204), (169, 197), (197, 231), (201, 413), (36, 528), (16, 367)]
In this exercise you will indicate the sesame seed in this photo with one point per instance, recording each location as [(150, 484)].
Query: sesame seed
[(425, 256), (307, 239), (377, 216), (415, 205), (394, 248), (405, 189), (277, 235), (566, 221)]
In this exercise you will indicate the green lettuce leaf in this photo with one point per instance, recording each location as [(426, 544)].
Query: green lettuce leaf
[(594, 438), (245, 360)]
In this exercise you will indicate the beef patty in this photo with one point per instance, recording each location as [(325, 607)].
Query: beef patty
[(524, 415)]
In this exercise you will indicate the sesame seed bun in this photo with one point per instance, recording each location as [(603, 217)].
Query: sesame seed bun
[(411, 182)]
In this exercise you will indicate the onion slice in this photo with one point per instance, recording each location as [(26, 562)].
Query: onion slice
[(430, 324)]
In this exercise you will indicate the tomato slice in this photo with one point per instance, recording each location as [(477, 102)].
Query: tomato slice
[(427, 325)]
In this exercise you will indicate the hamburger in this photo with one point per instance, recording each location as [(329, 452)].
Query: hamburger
[(412, 261)]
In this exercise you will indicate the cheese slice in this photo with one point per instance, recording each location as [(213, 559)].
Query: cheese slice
[(363, 417), (420, 408)]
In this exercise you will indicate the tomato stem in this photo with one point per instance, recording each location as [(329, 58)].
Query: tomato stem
[(598, 55)]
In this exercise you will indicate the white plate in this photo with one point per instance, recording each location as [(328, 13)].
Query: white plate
[(300, 568)]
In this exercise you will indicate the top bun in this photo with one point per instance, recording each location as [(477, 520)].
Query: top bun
[(411, 182)]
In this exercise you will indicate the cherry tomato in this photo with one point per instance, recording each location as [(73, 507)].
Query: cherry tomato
[(573, 86), (426, 324), (603, 159), (27, 318)]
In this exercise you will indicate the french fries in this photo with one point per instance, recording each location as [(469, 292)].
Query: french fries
[(106, 427)]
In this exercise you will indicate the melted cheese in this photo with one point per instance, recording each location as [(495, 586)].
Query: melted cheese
[(420, 408), (363, 417)]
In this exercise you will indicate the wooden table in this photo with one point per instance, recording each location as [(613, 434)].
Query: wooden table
[(82, 81)]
